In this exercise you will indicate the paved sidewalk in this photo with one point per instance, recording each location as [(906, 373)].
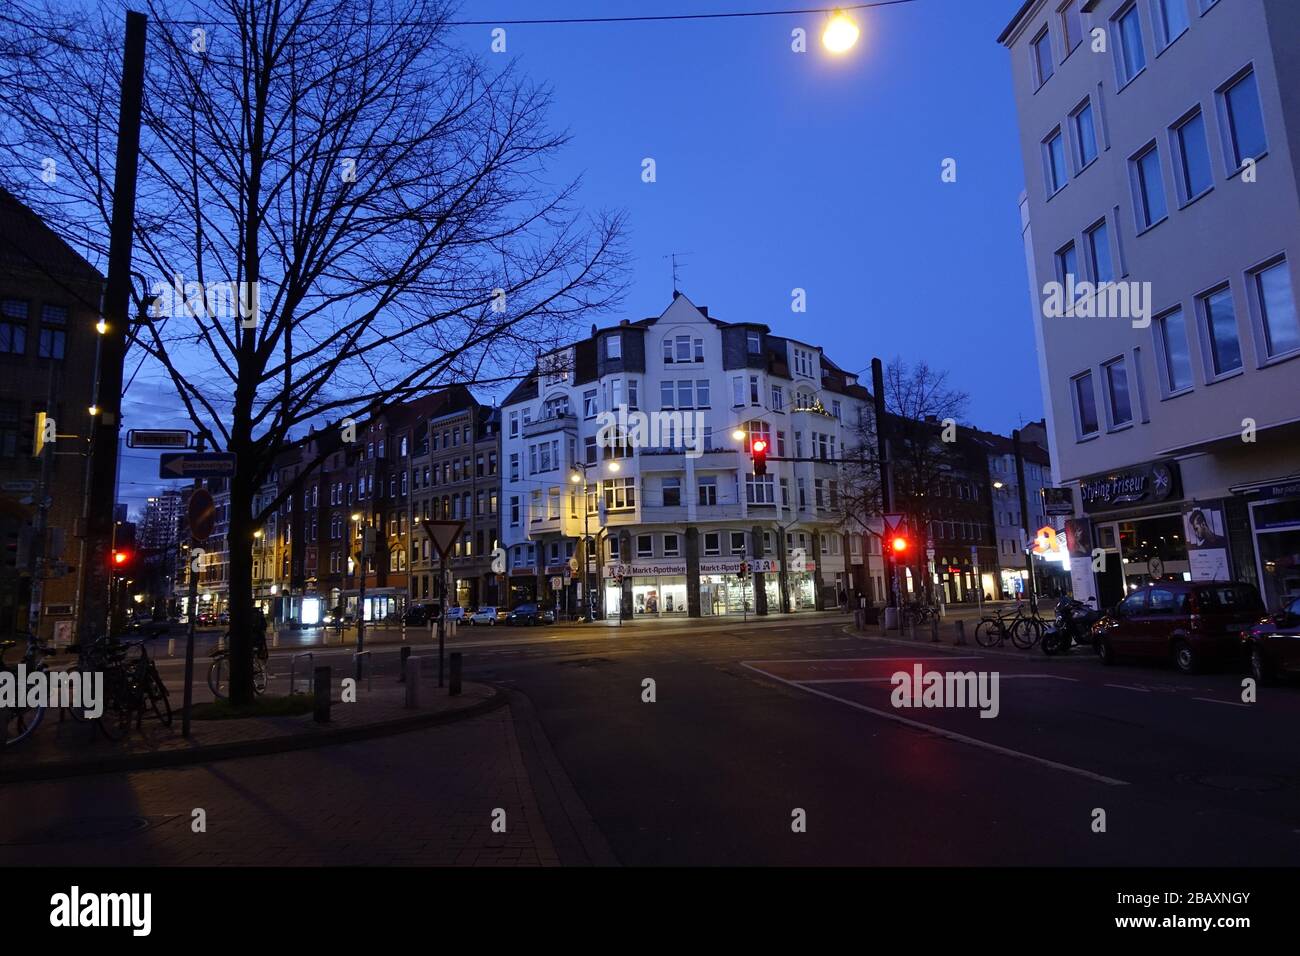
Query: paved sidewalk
[(67, 747)]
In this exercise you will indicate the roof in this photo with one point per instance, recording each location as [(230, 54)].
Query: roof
[(28, 243), (1015, 21)]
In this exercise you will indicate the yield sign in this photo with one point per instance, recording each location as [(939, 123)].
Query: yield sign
[(443, 534), (893, 522)]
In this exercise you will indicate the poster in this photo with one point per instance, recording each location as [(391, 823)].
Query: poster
[(1207, 545)]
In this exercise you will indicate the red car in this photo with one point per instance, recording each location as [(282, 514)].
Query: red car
[(1273, 645), (1192, 623)]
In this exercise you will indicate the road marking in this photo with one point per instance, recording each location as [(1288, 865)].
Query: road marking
[(1140, 690), (832, 660), (1230, 703), (941, 732), (878, 680)]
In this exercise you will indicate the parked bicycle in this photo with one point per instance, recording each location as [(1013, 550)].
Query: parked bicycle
[(918, 613), (26, 719), (133, 687), (219, 669), (1024, 628)]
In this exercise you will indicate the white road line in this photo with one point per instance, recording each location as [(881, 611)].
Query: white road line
[(1140, 690), (951, 735), (826, 660), (1230, 703), (878, 680)]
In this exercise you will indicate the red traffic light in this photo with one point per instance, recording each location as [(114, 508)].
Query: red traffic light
[(759, 446), (121, 557), (899, 544), (758, 452)]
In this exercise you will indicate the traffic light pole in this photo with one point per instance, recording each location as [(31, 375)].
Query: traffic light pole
[(192, 612), (886, 478)]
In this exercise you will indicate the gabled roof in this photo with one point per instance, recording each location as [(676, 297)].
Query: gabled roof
[(28, 244)]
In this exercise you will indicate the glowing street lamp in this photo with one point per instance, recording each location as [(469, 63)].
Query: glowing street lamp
[(841, 33)]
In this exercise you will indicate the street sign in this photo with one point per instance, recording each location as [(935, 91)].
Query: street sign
[(201, 513), (893, 522), (159, 438), (196, 465), (443, 534), (557, 583)]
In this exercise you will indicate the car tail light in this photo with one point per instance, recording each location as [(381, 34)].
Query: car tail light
[(1195, 621)]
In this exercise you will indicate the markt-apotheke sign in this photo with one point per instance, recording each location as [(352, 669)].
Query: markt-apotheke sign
[(1140, 485)]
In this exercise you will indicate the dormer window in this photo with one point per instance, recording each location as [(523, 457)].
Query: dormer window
[(614, 346), (755, 342)]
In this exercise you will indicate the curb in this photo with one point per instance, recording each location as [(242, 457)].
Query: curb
[(946, 647), (253, 748)]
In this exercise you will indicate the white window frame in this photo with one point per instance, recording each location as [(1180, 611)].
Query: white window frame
[(1113, 424), (1079, 434), (1178, 156), (1206, 337), (1160, 336), (1263, 355), (1122, 76)]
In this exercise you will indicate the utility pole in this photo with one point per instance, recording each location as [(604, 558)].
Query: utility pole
[(1024, 522), (98, 524), (886, 471)]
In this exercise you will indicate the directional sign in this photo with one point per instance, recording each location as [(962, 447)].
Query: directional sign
[(159, 438), (201, 513), (443, 534), (196, 465)]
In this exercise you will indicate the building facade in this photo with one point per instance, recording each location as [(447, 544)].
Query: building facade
[(638, 439), (1160, 142)]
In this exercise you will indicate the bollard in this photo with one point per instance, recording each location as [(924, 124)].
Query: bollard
[(357, 658), (454, 686), (412, 675), (911, 629), (890, 620), (960, 627), (401, 667), (275, 638), (859, 619), (321, 687), (934, 630), (171, 647)]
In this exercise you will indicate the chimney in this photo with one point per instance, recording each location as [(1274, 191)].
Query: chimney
[(623, 322), (593, 330)]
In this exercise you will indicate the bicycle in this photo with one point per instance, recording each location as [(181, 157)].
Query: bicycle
[(27, 718), (1025, 630), (132, 687), (219, 675)]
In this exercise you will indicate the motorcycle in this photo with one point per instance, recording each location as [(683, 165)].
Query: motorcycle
[(1073, 625)]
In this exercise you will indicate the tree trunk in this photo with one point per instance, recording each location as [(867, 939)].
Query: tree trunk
[(238, 547)]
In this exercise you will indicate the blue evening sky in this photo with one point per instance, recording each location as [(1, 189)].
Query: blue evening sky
[(779, 170)]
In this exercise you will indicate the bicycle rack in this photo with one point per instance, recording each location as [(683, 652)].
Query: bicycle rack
[(293, 663), (356, 666)]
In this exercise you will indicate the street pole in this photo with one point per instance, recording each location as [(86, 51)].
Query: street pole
[(192, 613), (886, 483), (98, 523), (37, 592), (1024, 521), (361, 595), (442, 618)]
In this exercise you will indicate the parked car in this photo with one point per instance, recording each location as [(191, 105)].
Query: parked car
[(419, 615), (484, 615), (1273, 645), (456, 613), (147, 629), (530, 614), (1192, 623)]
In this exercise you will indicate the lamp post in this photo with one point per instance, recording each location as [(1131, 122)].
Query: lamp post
[(360, 565), (578, 474)]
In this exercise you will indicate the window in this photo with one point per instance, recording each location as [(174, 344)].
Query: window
[(1206, 4), (1149, 187), (802, 363), (737, 542), (620, 493), (1042, 49), (1054, 158), (645, 546), (589, 450), (753, 390), (1085, 134), (1172, 332), (672, 546), (778, 398), (1193, 149), (1132, 58), (708, 490), (1071, 25), (1099, 253), (589, 403), (13, 327), (1067, 265), (672, 492), (1085, 405), (712, 544), (514, 427), (702, 393), (1245, 124), (53, 343), (1171, 18), (738, 390), (754, 342), (614, 346), (514, 466), (1120, 406), (666, 394), (1276, 305), (760, 490), (1221, 330)]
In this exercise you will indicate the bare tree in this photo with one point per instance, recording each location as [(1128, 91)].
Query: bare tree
[(337, 209)]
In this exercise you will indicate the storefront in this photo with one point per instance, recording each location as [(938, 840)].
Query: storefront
[(658, 588), (1275, 530)]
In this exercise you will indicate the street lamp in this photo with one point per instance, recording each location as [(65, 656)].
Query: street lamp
[(578, 475), (841, 33)]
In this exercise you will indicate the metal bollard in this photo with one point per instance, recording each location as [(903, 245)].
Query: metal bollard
[(859, 619), (171, 647), (454, 687), (321, 687), (357, 668), (960, 627), (275, 638), (412, 675), (934, 630), (401, 666), (889, 621)]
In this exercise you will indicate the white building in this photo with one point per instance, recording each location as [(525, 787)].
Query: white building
[(675, 508), (1160, 143)]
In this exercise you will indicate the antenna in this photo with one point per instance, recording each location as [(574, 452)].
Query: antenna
[(673, 256)]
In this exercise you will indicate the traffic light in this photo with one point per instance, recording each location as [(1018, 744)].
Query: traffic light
[(899, 544), (758, 451), (123, 561)]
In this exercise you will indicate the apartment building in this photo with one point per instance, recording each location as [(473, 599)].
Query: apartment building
[(49, 307), (1160, 142), (640, 438)]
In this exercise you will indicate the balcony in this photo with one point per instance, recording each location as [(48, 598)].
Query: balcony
[(556, 423)]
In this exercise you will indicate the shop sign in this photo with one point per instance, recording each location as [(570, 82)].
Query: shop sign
[(645, 569), (732, 565), (523, 572), (1058, 501), (1140, 485), (1289, 489)]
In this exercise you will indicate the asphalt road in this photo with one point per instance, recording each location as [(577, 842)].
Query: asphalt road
[(751, 725)]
